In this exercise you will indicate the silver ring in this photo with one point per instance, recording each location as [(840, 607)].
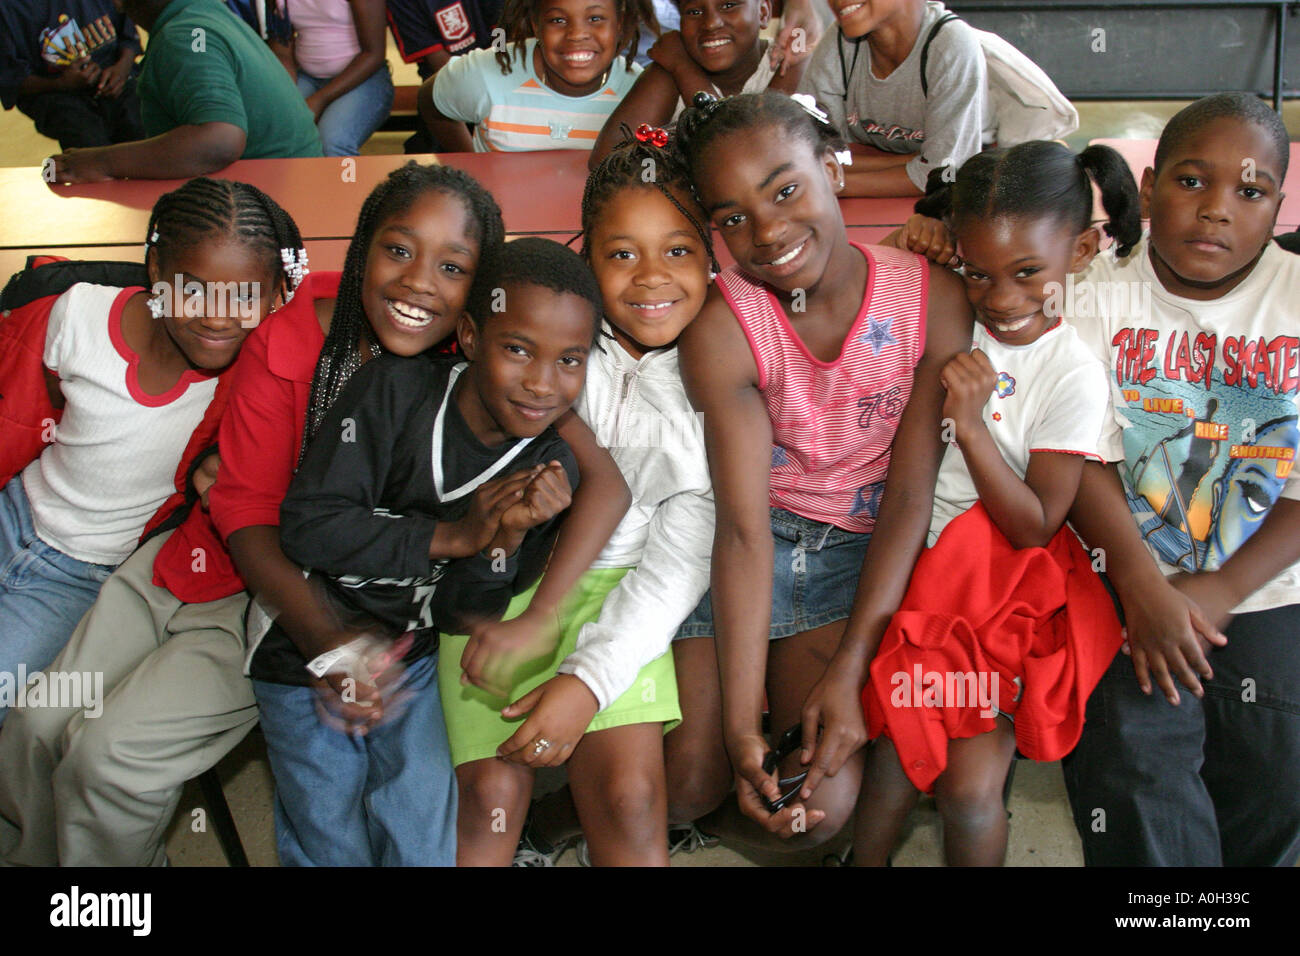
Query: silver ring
[(541, 744)]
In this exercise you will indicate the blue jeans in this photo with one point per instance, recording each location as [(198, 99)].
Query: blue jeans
[(350, 119), (43, 592), (385, 799), (815, 569), (1211, 782)]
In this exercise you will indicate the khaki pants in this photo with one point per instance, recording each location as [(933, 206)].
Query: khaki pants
[(80, 790)]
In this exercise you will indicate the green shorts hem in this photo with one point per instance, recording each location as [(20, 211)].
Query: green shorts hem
[(475, 727)]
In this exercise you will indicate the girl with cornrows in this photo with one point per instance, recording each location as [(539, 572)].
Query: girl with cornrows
[(167, 629)]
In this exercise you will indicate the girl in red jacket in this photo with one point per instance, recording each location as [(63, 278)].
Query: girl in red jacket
[(127, 374)]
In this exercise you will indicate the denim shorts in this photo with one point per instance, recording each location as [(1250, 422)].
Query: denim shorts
[(815, 568)]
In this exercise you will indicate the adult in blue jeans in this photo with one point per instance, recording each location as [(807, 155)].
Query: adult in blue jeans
[(338, 50)]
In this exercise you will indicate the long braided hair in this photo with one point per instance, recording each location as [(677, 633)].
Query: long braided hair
[(204, 209), (634, 164), (350, 330)]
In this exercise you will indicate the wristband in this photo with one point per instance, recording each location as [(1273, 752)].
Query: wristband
[(349, 658)]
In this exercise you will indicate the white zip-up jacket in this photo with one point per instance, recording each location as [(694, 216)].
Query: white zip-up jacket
[(640, 412)]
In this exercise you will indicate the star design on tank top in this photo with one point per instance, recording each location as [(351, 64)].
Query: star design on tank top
[(878, 334), (867, 499)]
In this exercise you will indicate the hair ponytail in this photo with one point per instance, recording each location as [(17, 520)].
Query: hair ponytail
[(1119, 195), (1042, 179), (937, 201)]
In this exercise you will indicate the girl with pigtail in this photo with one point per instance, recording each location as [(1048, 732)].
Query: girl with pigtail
[(1006, 627)]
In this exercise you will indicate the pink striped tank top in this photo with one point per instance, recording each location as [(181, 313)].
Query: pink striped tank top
[(833, 422)]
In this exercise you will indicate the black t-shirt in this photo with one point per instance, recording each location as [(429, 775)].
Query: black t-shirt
[(363, 507)]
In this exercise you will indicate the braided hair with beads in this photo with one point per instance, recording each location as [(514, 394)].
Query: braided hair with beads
[(204, 209), (639, 163), (350, 330)]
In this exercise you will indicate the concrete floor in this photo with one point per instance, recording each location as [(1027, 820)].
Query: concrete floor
[(1041, 830)]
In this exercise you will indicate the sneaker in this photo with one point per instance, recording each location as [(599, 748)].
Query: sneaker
[(534, 851), (687, 838)]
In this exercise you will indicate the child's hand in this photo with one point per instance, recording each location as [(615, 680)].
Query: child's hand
[(670, 53), (474, 532), (80, 166), (930, 238), (498, 650), (205, 476), (970, 380), (1167, 633), (81, 75), (834, 728), (1212, 595), (547, 494), (355, 700), (560, 709), (800, 31), (747, 752), (316, 104), (113, 80), (346, 705)]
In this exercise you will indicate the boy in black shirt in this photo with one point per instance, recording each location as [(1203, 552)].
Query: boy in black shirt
[(429, 497)]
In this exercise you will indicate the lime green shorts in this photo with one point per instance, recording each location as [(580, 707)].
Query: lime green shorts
[(474, 722)]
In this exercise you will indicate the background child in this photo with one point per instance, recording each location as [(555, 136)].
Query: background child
[(1216, 778), (866, 74), (650, 249), (338, 49), (810, 360), (166, 630), (133, 374), (429, 33), (429, 494), (1026, 407), (553, 89), (68, 66), (614, 771), (203, 105), (718, 51)]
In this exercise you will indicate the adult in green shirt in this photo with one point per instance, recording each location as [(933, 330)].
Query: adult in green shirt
[(211, 92)]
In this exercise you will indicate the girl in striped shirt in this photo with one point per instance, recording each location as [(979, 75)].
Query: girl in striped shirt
[(810, 357)]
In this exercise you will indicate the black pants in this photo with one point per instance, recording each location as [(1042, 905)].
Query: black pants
[(79, 120), (1211, 782)]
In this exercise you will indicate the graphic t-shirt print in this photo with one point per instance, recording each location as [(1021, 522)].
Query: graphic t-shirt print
[(1213, 437)]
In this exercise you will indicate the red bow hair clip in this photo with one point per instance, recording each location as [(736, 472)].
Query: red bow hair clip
[(652, 134)]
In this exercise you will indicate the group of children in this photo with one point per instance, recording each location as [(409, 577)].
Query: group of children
[(470, 507)]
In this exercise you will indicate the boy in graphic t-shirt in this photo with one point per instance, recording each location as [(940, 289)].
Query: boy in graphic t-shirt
[(1198, 328), (67, 64)]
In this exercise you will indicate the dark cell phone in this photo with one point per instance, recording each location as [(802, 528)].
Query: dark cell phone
[(790, 741)]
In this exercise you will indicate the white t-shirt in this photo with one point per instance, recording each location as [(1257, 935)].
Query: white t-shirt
[(1051, 396), (1205, 398), (517, 111), (943, 127), (116, 449), (757, 82)]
